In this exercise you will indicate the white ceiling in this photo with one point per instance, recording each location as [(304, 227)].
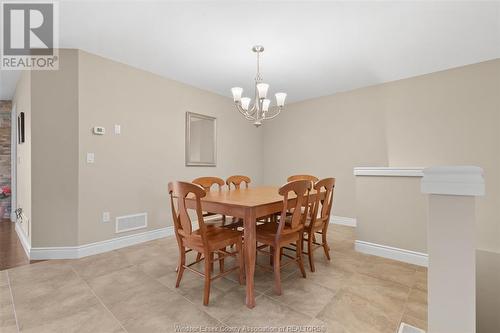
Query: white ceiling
[(312, 48)]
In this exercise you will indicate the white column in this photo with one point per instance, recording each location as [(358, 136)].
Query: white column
[(451, 245)]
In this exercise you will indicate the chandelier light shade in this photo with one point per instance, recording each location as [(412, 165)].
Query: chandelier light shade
[(261, 108)]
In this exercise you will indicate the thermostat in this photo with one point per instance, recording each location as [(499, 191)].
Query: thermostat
[(98, 130)]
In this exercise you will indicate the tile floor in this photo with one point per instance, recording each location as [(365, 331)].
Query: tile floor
[(132, 290)]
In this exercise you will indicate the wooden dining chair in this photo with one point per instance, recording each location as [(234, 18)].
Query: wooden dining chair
[(302, 177), (319, 219), (236, 181), (203, 240), (208, 183), (289, 229)]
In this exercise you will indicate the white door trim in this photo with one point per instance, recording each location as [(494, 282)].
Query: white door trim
[(13, 162)]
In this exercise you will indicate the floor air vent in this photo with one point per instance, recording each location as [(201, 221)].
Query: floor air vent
[(131, 222), (405, 328)]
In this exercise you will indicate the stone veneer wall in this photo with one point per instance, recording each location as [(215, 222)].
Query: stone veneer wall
[(5, 129)]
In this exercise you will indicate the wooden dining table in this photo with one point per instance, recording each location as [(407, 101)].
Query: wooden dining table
[(248, 204)]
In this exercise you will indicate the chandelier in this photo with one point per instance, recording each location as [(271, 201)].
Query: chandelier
[(261, 108)]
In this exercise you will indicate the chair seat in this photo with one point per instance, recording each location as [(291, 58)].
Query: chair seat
[(219, 237), (266, 233)]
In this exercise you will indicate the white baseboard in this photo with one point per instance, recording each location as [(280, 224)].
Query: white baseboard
[(341, 220), (23, 239), (411, 257), (75, 252)]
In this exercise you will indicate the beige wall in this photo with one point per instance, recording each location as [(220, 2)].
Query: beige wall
[(448, 117), (391, 211), (131, 170), (451, 117), (54, 142), (327, 136), (22, 103)]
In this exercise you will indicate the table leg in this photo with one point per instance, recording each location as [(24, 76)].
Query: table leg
[(249, 249)]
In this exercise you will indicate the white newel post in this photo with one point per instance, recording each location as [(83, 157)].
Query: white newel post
[(451, 245)]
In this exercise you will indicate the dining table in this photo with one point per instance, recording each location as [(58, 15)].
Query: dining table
[(249, 204)]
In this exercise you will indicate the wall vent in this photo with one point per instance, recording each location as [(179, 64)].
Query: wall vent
[(131, 222)]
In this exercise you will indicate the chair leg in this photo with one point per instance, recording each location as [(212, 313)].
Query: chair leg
[(271, 257), (198, 256), (221, 261), (310, 250), (299, 257), (277, 271), (211, 256), (208, 270), (180, 268), (239, 248), (325, 245)]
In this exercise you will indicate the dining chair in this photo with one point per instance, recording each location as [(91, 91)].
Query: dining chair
[(206, 240), (236, 181), (288, 229), (302, 177), (319, 219), (208, 183)]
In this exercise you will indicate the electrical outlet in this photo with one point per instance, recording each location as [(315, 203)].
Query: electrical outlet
[(90, 158), (106, 217), (118, 129)]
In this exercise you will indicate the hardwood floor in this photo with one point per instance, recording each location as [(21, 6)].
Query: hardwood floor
[(11, 251)]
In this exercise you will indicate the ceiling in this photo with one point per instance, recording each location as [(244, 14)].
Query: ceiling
[(312, 48)]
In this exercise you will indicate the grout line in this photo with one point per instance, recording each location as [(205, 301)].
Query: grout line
[(98, 298), (12, 300)]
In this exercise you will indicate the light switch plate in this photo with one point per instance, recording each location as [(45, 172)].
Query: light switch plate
[(106, 217), (90, 157)]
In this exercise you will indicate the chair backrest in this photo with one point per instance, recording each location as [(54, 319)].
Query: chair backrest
[(321, 208), (237, 180), (300, 189), (182, 222), (208, 182), (302, 177)]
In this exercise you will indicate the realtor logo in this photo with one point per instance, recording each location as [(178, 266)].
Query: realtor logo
[(29, 36)]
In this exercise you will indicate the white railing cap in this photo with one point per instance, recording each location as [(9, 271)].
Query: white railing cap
[(453, 180)]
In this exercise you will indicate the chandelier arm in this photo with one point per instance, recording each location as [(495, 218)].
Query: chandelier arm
[(274, 115), (243, 112), (252, 111)]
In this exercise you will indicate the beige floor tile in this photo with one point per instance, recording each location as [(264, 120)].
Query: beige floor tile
[(138, 254), (100, 264), (391, 270), (7, 317), (420, 280), (47, 271), (91, 320), (303, 295), (143, 304), (330, 278), (223, 303), (416, 306), (318, 326), (137, 287), (3, 278), (351, 313), (386, 295), (60, 303), (267, 312), (422, 324), (350, 262)]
